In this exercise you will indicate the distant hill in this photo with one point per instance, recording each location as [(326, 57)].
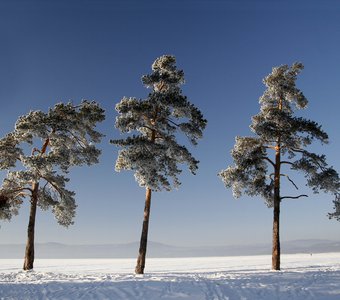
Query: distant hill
[(129, 250)]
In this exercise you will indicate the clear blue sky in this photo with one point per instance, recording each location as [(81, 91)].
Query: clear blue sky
[(55, 51)]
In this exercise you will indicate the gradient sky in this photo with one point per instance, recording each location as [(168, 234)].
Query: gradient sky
[(54, 51)]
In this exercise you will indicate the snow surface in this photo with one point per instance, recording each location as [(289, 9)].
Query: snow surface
[(303, 276)]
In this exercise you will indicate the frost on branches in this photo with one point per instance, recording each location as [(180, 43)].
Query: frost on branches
[(276, 127), (152, 152), (62, 138), (66, 134), (278, 131)]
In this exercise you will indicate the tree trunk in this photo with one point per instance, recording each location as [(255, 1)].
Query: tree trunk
[(276, 253), (144, 237), (29, 253)]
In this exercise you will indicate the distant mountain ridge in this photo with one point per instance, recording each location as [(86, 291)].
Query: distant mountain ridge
[(130, 250)]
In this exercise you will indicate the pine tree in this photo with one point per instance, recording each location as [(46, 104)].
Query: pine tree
[(66, 135), (277, 129), (153, 152)]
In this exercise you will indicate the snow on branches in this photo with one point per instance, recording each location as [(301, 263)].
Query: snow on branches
[(277, 129), (281, 86), (153, 152), (65, 137)]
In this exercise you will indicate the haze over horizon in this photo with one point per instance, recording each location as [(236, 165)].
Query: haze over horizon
[(98, 50), (129, 250)]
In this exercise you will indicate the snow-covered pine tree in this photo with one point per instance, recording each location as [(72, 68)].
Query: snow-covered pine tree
[(66, 137), (277, 129), (153, 152)]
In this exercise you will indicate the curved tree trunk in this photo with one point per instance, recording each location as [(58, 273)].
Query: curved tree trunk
[(144, 237), (29, 252)]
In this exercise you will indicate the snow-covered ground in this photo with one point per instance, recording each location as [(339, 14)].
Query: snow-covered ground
[(303, 276)]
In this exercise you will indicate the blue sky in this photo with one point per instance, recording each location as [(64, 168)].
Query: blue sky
[(54, 51)]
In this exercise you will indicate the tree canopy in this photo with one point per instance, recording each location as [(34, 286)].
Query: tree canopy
[(66, 135), (276, 122), (152, 152)]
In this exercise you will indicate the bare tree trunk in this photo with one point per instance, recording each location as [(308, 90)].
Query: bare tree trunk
[(276, 253), (29, 252), (144, 237)]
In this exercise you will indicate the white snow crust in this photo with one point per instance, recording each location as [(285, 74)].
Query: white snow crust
[(303, 276)]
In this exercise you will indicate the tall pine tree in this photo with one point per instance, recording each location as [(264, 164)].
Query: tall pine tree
[(152, 152), (63, 138), (278, 131)]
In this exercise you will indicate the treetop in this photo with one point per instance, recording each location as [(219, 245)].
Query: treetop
[(281, 86)]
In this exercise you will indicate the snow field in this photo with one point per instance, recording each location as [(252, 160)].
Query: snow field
[(303, 276)]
